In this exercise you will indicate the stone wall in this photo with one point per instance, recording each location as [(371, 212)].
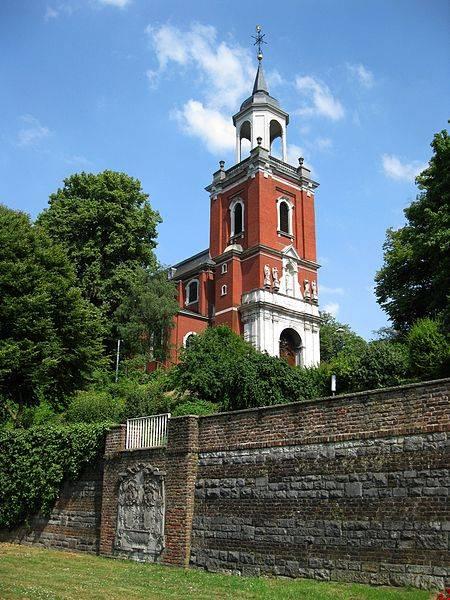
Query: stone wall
[(74, 523), (352, 488)]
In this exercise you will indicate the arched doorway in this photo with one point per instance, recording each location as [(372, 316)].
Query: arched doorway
[(290, 347)]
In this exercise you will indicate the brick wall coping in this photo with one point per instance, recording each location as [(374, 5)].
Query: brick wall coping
[(328, 399), (324, 399)]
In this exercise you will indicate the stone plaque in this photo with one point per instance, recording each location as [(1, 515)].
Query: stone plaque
[(140, 514)]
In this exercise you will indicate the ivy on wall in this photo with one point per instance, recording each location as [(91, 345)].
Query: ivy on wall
[(35, 462)]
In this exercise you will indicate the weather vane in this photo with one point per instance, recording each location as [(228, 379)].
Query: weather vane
[(259, 40)]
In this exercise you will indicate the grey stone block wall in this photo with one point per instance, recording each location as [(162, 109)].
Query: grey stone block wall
[(370, 511)]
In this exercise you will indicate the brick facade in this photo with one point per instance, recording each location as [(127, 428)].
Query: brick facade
[(351, 488)]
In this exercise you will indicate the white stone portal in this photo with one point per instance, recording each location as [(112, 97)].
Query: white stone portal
[(266, 314)]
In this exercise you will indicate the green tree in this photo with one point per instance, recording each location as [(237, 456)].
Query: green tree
[(50, 337), (108, 227), (429, 350), (382, 364), (145, 315), (336, 337), (221, 368), (414, 281), (379, 364)]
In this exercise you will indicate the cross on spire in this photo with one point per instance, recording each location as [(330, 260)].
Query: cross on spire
[(259, 40)]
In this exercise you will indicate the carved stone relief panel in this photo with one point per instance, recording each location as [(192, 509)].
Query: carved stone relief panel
[(140, 514)]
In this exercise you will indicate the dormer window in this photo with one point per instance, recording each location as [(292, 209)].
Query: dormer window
[(237, 217), (192, 292), (285, 208)]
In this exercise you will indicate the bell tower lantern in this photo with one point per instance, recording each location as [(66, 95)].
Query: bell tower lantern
[(260, 119)]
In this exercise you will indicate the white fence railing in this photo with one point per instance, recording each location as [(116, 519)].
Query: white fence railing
[(147, 432)]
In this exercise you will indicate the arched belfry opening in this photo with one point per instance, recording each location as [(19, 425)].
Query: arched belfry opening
[(276, 139), (261, 121), (245, 140), (291, 347)]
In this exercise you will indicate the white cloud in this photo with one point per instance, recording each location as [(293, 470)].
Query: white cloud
[(401, 171), (275, 79), (332, 308), (51, 13), (153, 78), (321, 101), (32, 132), (210, 125), (225, 70), (330, 290), (118, 3), (323, 143), (77, 160), (362, 75)]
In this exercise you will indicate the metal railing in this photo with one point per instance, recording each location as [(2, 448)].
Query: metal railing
[(147, 432)]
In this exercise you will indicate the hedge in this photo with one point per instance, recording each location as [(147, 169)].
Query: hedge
[(35, 462)]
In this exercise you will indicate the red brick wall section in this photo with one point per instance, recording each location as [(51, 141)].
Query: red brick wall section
[(115, 439), (116, 462), (397, 411), (181, 468)]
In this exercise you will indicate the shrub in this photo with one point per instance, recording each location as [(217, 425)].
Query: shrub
[(194, 407), (429, 350), (150, 398), (35, 462), (93, 406), (382, 364)]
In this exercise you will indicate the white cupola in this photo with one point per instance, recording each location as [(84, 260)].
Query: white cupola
[(260, 119)]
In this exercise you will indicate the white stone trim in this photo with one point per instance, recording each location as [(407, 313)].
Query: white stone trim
[(224, 290), (188, 334), (266, 314), (225, 310), (224, 268)]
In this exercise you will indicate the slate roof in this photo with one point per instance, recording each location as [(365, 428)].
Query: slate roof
[(260, 94), (260, 81), (193, 263)]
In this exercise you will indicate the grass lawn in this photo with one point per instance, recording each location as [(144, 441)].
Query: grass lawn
[(27, 572)]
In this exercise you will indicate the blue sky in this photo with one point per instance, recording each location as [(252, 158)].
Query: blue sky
[(148, 87)]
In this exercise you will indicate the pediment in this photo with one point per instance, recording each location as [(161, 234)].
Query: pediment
[(291, 252)]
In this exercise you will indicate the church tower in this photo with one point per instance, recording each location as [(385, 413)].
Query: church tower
[(262, 237), (259, 275)]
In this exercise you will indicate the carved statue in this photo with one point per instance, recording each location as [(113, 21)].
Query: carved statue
[(276, 280), (314, 290), (140, 514), (307, 289), (267, 281)]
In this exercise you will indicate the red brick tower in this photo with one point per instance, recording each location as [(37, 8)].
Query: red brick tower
[(261, 266)]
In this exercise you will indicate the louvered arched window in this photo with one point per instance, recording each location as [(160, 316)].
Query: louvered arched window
[(237, 217), (284, 217)]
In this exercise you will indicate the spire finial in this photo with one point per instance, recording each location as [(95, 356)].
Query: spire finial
[(259, 40)]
